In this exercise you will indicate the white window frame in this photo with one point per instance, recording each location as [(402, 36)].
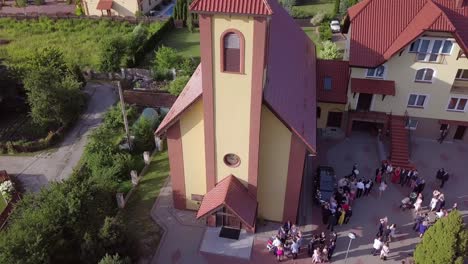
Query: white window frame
[(417, 97), (409, 126), (429, 48), (462, 71), (384, 74), (424, 74), (456, 105)]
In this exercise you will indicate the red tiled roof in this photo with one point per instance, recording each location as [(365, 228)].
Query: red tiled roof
[(191, 92), (104, 5), (372, 86), (232, 194), (381, 28), (248, 7), (338, 71), (290, 90)]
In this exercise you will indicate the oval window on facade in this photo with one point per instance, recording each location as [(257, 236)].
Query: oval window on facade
[(232, 160)]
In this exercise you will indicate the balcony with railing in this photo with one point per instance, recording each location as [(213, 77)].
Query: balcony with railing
[(460, 86), (436, 58)]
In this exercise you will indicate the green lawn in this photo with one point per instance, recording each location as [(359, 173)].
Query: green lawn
[(315, 6), (188, 44), (136, 214), (3, 203)]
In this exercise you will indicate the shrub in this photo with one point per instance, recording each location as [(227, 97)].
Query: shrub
[(444, 242), (336, 8), (329, 51), (166, 58), (21, 3), (115, 259), (325, 32), (188, 65), (7, 189), (176, 86), (113, 118), (162, 74), (112, 53), (76, 72), (79, 10), (39, 2), (301, 13), (318, 18), (144, 137)]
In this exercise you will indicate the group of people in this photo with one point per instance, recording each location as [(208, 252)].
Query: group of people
[(319, 249), (402, 176), (385, 234), (287, 242), (338, 211)]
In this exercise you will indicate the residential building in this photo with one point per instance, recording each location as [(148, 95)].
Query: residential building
[(239, 133), (127, 8), (408, 65)]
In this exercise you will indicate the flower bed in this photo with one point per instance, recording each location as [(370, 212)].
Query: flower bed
[(12, 196)]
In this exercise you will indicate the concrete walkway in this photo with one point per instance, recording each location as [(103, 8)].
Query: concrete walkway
[(37, 171)]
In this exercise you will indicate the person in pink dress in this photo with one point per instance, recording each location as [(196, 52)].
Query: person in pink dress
[(396, 175)]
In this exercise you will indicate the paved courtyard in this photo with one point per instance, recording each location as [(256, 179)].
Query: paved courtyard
[(37, 171), (182, 240)]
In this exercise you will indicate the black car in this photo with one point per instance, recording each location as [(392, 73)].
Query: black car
[(325, 184)]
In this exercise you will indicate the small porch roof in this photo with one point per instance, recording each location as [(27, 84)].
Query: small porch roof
[(372, 86), (104, 5), (232, 194)]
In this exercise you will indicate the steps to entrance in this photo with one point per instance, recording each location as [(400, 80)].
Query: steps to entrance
[(399, 155)]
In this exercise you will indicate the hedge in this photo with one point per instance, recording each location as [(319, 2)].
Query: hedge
[(21, 146)]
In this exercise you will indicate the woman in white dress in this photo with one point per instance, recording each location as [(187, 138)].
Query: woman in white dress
[(433, 202), (418, 203), (382, 188)]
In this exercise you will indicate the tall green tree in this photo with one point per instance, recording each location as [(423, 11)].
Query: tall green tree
[(445, 242), (113, 53)]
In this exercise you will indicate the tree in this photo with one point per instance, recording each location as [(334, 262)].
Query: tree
[(166, 58), (176, 86), (344, 5), (144, 137), (325, 32), (336, 8), (329, 51), (445, 242), (112, 54)]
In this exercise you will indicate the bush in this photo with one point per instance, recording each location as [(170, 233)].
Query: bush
[(176, 86), (113, 118), (329, 51), (318, 18), (166, 58), (21, 3), (112, 54), (325, 32), (188, 65), (144, 137), (162, 75), (301, 13), (336, 8), (444, 242), (115, 259)]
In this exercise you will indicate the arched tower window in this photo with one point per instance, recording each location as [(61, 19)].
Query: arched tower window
[(232, 46)]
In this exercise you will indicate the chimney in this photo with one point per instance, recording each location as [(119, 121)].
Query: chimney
[(459, 3)]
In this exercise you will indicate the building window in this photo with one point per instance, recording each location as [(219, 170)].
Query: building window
[(412, 124), (457, 104), (327, 84), (462, 74), (319, 112), (376, 72), (424, 75), (232, 160), (232, 47), (417, 100), (430, 49)]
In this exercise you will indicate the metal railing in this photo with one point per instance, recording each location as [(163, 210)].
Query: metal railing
[(436, 58)]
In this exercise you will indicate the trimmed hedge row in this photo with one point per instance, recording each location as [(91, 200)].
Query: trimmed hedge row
[(153, 41), (22, 146)]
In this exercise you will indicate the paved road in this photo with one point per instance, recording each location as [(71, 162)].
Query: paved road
[(36, 172)]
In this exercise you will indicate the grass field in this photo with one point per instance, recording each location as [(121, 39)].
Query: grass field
[(188, 44), (137, 211), (78, 39), (3, 203), (315, 6)]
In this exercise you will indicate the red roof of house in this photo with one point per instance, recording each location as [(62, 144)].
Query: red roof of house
[(372, 86), (191, 92), (381, 28), (247, 7), (338, 71), (104, 5), (233, 195), (291, 79)]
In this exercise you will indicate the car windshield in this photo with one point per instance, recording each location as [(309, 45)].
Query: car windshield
[(335, 23), (327, 180)]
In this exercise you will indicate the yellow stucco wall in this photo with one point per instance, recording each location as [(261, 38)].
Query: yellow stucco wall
[(402, 69), (232, 94), (193, 147), (275, 144), (325, 109), (119, 7)]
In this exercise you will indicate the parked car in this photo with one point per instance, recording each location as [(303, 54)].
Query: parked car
[(335, 26), (325, 184)]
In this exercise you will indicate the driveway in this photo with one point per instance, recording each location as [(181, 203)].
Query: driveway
[(37, 171)]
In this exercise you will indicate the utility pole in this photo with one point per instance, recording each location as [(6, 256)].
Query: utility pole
[(124, 114)]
